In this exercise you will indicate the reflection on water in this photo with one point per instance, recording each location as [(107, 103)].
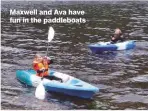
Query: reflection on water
[(121, 75)]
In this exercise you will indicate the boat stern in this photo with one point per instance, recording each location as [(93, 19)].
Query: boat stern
[(130, 45)]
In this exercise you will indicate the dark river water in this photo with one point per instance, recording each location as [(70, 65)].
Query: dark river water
[(122, 76)]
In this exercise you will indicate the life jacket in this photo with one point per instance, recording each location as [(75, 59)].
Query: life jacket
[(39, 66)]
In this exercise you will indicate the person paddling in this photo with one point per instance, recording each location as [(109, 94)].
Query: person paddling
[(41, 65), (117, 37)]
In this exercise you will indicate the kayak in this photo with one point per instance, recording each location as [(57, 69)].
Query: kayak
[(107, 46), (69, 85)]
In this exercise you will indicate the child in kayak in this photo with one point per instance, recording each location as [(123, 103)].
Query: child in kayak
[(41, 64), (117, 36)]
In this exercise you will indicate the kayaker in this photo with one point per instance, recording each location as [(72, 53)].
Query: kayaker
[(41, 65), (117, 36)]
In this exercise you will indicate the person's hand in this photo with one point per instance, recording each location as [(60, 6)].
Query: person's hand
[(43, 70), (113, 38)]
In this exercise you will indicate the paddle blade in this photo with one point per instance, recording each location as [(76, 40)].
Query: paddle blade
[(50, 34), (40, 91)]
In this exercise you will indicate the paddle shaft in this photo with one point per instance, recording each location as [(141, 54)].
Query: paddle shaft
[(47, 49)]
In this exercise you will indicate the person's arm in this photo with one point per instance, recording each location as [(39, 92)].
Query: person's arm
[(35, 66), (122, 38), (112, 36), (50, 62)]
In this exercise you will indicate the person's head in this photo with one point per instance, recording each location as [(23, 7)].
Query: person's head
[(45, 59), (38, 57), (117, 31)]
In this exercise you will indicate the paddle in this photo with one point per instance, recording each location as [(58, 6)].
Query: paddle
[(40, 90), (50, 36)]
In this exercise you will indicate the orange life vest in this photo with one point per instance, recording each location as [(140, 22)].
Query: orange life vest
[(39, 66)]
